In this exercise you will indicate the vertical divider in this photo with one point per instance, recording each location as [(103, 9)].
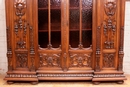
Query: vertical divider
[(80, 25), (49, 23)]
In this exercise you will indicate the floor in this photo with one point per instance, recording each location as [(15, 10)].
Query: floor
[(65, 84)]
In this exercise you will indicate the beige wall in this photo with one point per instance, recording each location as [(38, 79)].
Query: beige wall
[(3, 58), (127, 39)]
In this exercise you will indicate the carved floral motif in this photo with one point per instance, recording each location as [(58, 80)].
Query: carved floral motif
[(21, 44), (110, 25), (110, 8), (108, 60), (49, 60), (20, 23), (20, 26), (80, 60), (21, 60)]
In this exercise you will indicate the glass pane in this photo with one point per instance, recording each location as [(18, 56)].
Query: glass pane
[(74, 23), (74, 3), (87, 38), (43, 23), (74, 19), (55, 3), (43, 20), (42, 3), (87, 19), (74, 39), (55, 23), (87, 23)]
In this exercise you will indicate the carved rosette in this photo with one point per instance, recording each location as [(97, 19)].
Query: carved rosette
[(108, 60), (20, 26), (22, 60), (109, 25), (49, 60), (80, 60)]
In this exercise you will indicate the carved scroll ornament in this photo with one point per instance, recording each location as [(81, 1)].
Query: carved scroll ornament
[(80, 60), (49, 60), (108, 60)]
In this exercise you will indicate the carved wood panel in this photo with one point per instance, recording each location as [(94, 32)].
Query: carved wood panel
[(80, 60), (21, 60), (109, 25), (49, 60), (20, 23), (108, 60)]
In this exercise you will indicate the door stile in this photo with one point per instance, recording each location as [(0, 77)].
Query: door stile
[(65, 33)]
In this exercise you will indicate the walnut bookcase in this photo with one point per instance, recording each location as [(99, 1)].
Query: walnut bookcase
[(65, 40)]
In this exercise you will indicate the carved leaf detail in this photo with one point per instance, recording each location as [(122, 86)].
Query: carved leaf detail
[(108, 60), (80, 60), (22, 60), (110, 25), (49, 60)]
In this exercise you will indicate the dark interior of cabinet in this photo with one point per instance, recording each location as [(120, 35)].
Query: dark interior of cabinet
[(74, 22)]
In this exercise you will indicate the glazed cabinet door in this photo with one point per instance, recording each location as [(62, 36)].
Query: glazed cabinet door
[(50, 38), (80, 36), (65, 36)]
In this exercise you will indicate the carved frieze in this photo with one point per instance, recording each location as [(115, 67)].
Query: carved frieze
[(21, 60), (108, 75), (80, 60), (65, 75), (108, 60), (20, 76), (49, 60)]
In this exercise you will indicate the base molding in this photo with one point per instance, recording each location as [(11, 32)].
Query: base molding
[(34, 77), (105, 76)]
